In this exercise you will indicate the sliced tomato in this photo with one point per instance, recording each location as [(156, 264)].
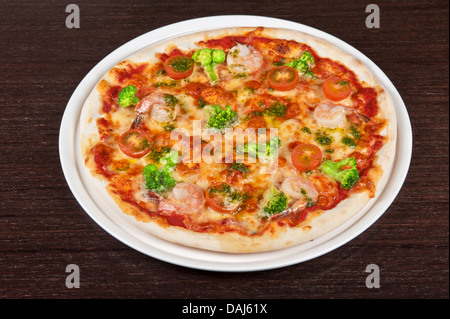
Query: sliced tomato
[(179, 66), (306, 157), (135, 143), (223, 197), (282, 78), (336, 89)]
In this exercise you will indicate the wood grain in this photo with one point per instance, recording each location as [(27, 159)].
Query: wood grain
[(43, 228)]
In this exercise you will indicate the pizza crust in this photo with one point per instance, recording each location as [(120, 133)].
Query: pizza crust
[(278, 237)]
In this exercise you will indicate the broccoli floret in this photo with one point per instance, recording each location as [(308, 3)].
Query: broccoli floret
[(161, 180), (304, 63), (220, 118), (261, 151), (348, 177), (127, 96), (276, 202), (209, 58)]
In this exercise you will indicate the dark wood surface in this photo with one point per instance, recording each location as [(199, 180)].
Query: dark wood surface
[(43, 228)]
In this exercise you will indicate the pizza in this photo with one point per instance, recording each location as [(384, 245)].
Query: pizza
[(239, 140)]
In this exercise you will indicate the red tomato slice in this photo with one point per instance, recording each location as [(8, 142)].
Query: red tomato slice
[(282, 78), (306, 157), (179, 67), (222, 197), (135, 143), (336, 89)]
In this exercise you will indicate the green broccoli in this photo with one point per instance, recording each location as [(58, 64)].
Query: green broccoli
[(209, 58), (220, 118), (261, 151), (161, 180), (348, 177), (127, 96), (275, 202), (304, 63)]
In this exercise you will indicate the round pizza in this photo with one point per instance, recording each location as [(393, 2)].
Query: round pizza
[(240, 140)]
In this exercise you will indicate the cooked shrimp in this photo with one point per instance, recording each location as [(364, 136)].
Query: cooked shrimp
[(188, 198), (244, 59), (330, 116), (297, 187), (160, 111), (301, 191)]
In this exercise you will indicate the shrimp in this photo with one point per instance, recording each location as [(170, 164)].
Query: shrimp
[(244, 59), (160, 110), (301, 191), (188, 198), (330, 116)]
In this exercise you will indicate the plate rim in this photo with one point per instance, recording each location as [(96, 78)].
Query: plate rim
[(70, 124)]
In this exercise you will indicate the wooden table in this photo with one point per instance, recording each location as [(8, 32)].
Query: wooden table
[(43, 228)]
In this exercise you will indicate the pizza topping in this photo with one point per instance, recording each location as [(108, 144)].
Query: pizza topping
[(126, 96), (161, 180), (301, 190), (330, 116), (187, 197), (178, 67), (162, 105), (275, 202), (135, 143), (304, 64), (244, 59), (282, 78), (209, 58), (306, 157), (220, 118), (223, 197), (344, 171), (336, 89), (262, 151)]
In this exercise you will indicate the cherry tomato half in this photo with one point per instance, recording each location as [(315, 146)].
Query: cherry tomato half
[(179, 67), (135, 143), (336, 89), (306, 157), (282, 78), (223, 197)]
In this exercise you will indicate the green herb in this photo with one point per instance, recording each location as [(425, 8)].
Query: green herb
[(323, 139), (306, 130), (181, 63), (349, 142), (201, 103), (170, 100), (156, 153), (309, 201), (355, 132), (240, 76), (238, 167), (276, 110), (165, 84), (169, 127)]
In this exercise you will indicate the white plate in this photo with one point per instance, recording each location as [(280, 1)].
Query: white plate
[(92, 196)]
